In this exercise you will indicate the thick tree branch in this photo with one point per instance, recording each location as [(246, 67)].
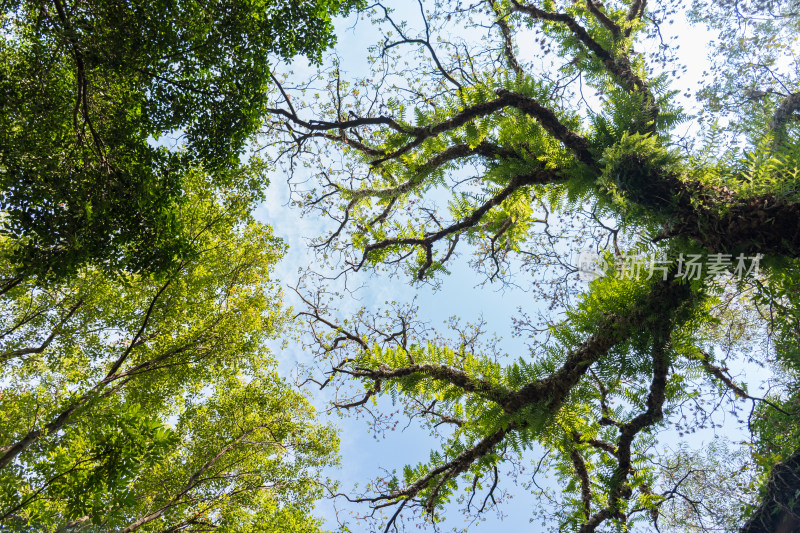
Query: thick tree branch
[(619, 488), (456, 151), (448, 470), (453, 376), (787, 110), (619, 67), (779, 511), (766, 224), (426, 243), (583, 475), (551, 123), (545, 116), (665, 296), (612, 26)]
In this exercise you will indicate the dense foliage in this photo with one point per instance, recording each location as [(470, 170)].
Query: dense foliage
[(136, 306), (144, 402), (106, 106)]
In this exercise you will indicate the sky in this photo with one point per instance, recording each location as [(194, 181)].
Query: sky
[(461, 293)]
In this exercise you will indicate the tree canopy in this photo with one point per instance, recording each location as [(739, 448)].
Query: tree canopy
[(466, 138), (136, 297), (107, 106), (144, 402)]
